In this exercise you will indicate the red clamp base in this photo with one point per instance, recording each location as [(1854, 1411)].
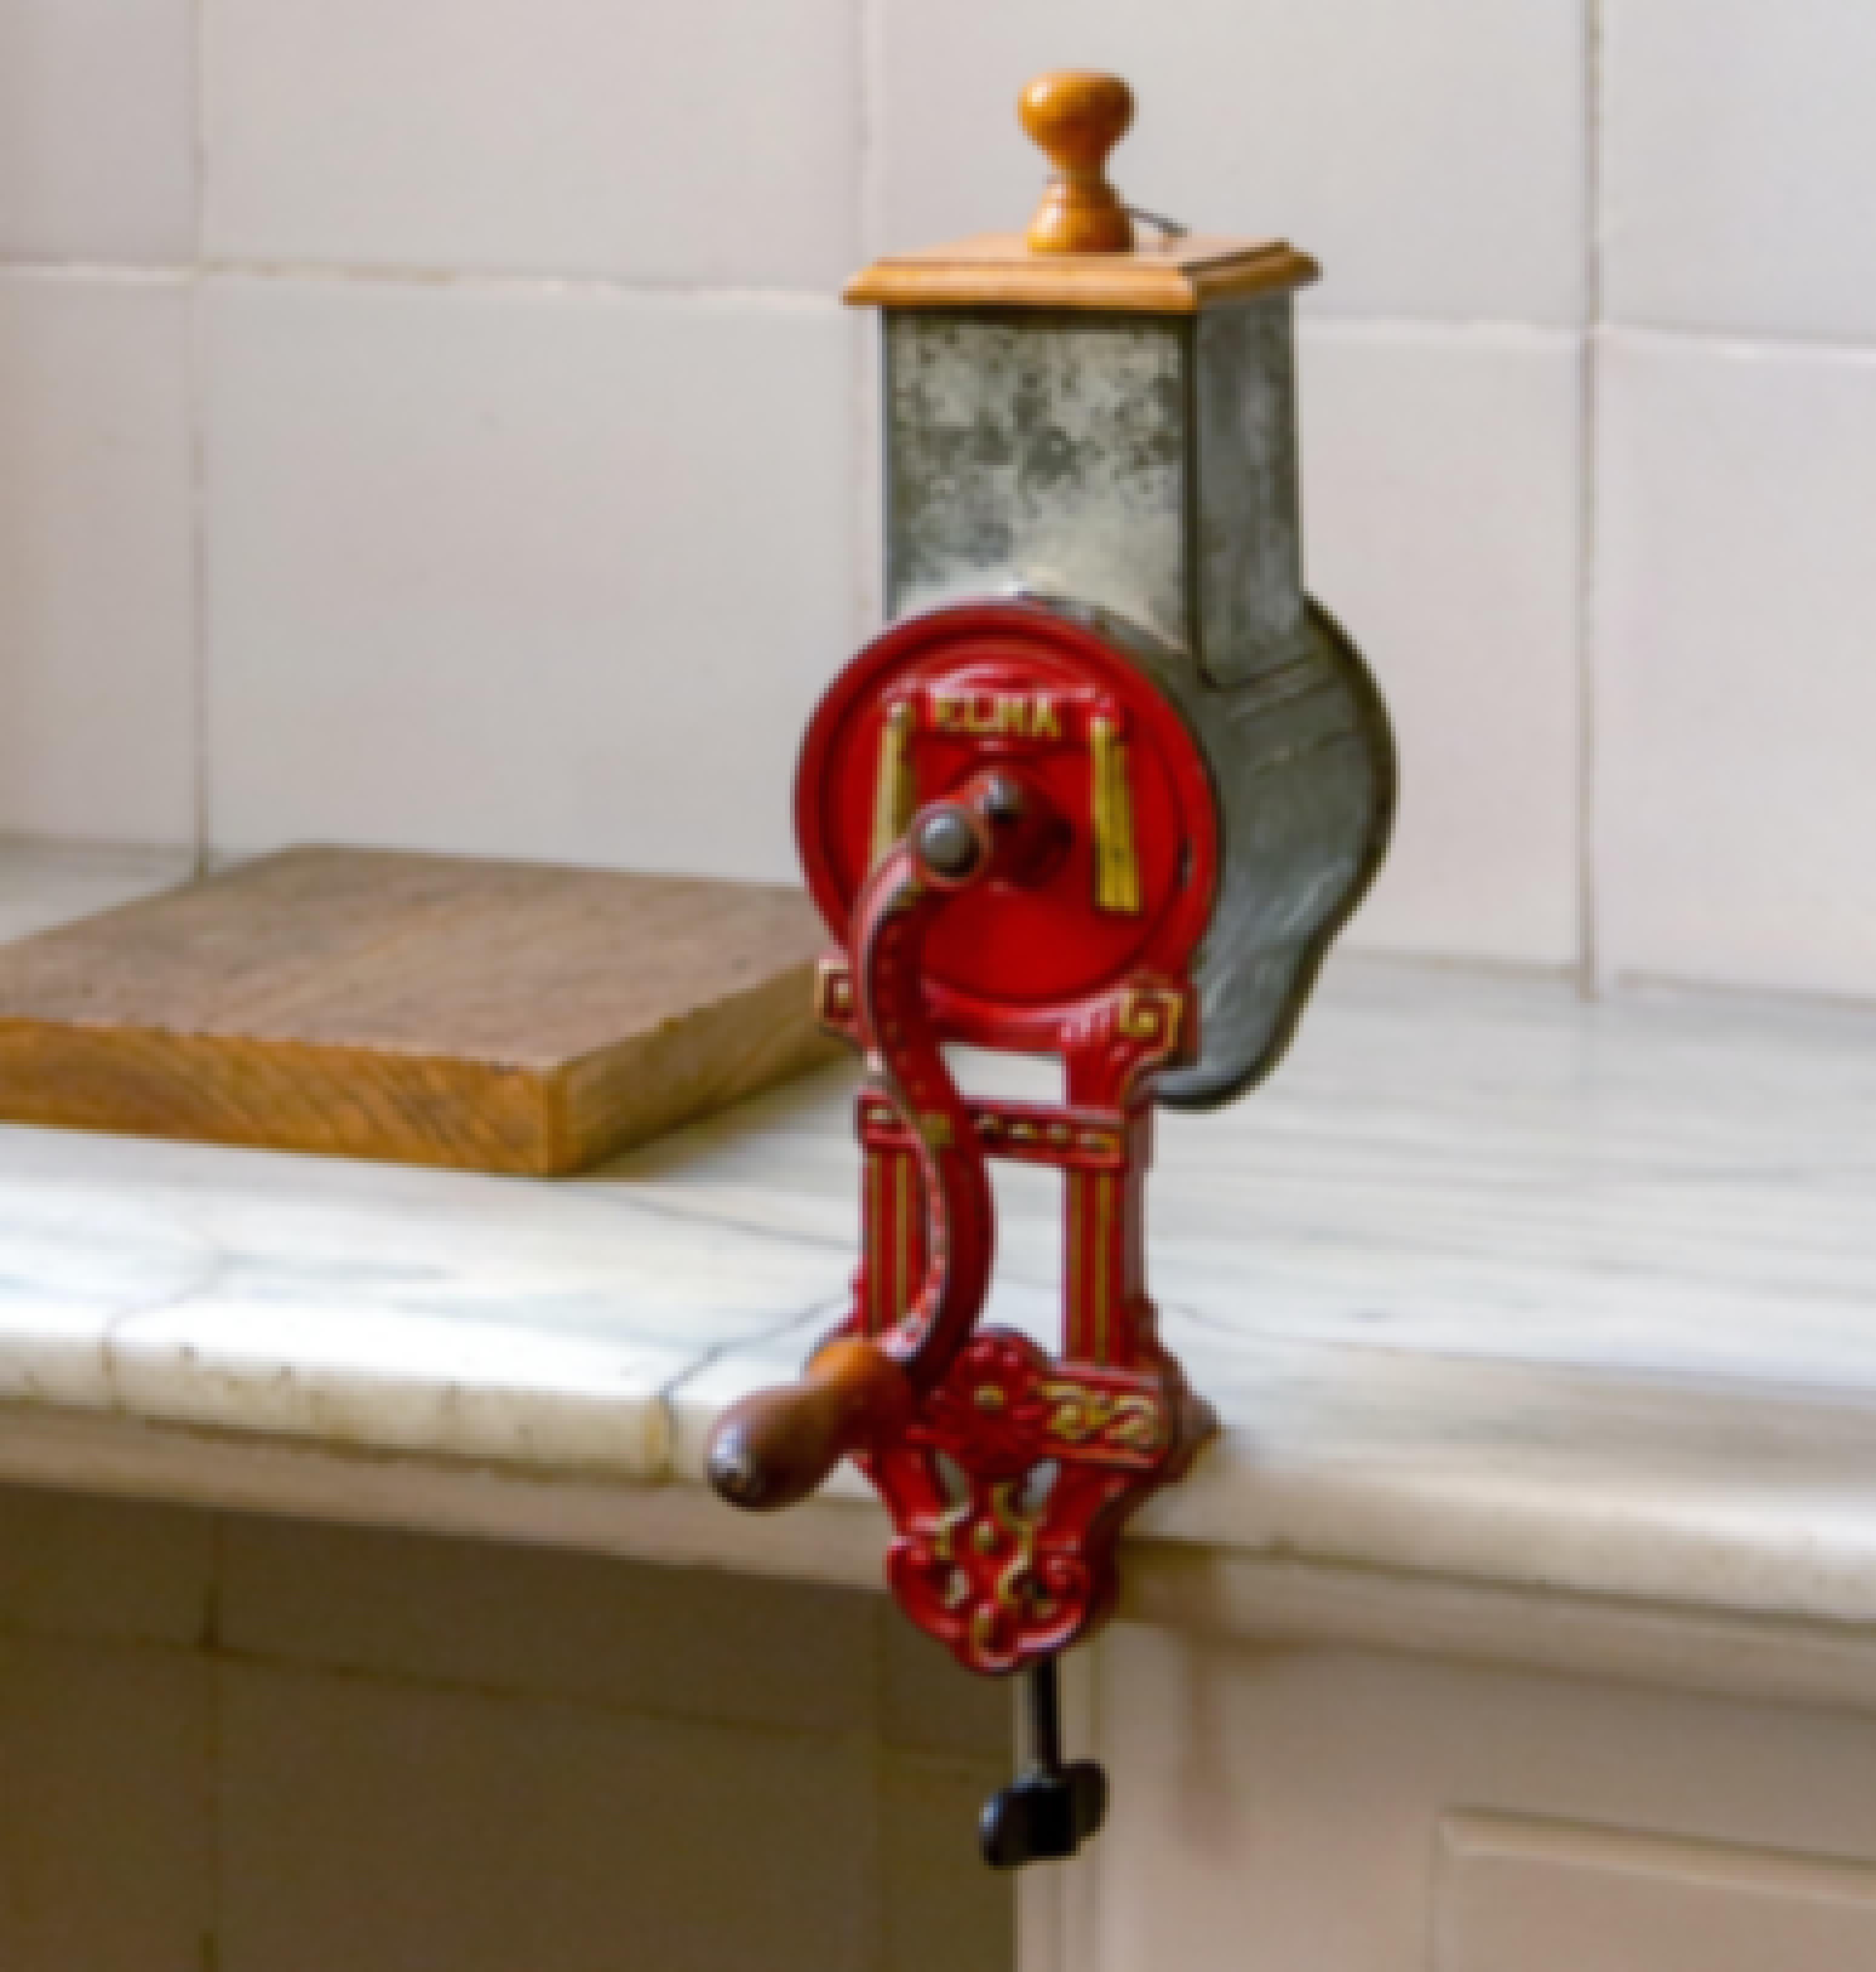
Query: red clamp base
[(1011, 1485)]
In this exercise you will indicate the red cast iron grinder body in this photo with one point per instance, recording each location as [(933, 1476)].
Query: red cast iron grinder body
[(1013, 837)]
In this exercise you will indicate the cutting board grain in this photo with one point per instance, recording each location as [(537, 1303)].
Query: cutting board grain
[(497, 1017)]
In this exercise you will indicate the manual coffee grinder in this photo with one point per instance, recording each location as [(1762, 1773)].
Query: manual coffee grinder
[(1104, 789)]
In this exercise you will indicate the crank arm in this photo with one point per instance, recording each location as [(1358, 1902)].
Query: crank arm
[(859, 1393)]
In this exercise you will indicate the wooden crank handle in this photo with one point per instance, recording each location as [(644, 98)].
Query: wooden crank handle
[(777, 1446)]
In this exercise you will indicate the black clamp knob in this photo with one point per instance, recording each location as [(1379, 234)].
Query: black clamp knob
[(1047, 1813)]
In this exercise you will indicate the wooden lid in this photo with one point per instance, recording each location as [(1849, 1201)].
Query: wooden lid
[(1175, 276), (1082, 250)]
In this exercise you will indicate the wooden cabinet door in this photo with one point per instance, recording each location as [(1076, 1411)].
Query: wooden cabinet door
[(1533, 1896)]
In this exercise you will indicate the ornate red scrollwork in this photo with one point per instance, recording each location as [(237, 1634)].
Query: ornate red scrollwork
[(1013, 834), (1010, 1483)]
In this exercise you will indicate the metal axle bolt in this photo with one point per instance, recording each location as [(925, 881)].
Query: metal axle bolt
[(949, 846)]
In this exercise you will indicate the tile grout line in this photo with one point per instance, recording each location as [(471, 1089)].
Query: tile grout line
[(1591, 931), (870, 1920), (1540, 336), (1741, 345), (120, 273), (1735, 344), (194, 362), (212, 1651), (521, 283), (197, 397), (869, 203)]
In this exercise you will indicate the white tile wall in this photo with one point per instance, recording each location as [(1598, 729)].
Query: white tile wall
[(269, 1746), (524, 455), (97, 130), (925, 1709), (1738, 636), (97, 608), (105, 1844), (503, 571), (1740, 157), (708, 142), (1430, 151), (940, 1909), (382, 1828), (1737, 383), (682, 1643), (1440, 478), (112, 1570)]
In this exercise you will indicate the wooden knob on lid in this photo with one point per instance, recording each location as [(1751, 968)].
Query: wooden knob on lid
[(1077, 117)]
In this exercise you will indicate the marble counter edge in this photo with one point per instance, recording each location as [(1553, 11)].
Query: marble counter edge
[(1263, 1600), (1418, 1476), (1707, 1494), (1472, 1471)]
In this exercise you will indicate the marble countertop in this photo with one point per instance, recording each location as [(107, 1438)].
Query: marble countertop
[(1492, 1288)]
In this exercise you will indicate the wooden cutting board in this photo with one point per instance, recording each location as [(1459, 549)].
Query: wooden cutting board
[(497, 1017)]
